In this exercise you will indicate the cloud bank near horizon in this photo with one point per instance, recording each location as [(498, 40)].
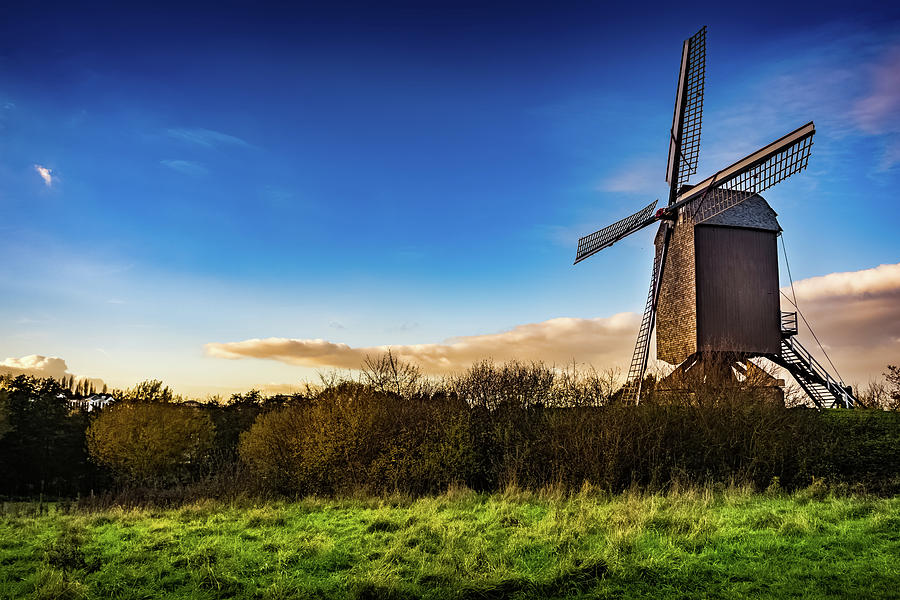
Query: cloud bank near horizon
[(600, 341), (855, 314), (37, 365)]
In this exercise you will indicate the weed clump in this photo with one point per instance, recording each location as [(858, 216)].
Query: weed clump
[(65, 552)]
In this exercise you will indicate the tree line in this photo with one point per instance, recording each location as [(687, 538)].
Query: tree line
[(390, 429)]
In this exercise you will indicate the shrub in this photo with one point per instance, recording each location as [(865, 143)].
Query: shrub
[(507, 425), (150, 442), (352, 437)]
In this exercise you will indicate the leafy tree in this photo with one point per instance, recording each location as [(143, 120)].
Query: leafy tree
[(43, 449), (149, 391), (150, 442)]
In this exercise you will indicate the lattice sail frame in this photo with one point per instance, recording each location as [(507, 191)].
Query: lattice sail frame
[(603, 238), (751, 175), (684, 144)]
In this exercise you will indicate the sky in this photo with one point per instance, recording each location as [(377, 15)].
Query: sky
[(238, 194)]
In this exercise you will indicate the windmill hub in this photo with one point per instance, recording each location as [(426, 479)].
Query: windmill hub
[(714, 286)]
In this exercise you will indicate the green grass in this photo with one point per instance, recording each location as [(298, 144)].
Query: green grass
[(693, 544)]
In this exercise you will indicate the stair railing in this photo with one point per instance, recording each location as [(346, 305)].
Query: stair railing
[(788, 323), (819, 371)]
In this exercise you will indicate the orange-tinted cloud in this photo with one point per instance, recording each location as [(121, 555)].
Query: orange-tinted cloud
[(597, 341), (856, 315)]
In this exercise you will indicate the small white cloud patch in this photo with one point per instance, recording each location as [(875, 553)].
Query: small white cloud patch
[(44, 172)]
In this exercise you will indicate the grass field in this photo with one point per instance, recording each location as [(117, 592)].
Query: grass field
[(693, 544)]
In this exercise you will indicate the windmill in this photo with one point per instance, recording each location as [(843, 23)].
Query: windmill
[(714, 295)]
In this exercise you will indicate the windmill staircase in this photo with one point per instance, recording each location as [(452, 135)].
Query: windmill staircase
[(818, 384), (632, 390)]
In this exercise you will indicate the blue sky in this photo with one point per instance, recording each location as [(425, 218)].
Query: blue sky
[(395, 174)]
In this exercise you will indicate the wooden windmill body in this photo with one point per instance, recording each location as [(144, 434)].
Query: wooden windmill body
[(719, 289), (714, 294)]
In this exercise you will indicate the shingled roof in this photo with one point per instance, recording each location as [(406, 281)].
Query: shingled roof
[(753, 213)]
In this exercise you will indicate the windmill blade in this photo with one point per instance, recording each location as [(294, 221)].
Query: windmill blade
[(597, 241), (684, 141), (748, 176)]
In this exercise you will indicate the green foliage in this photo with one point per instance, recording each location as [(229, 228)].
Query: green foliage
[(857, 447), (490, 427), (43, 449), (150, 442), (354, 438), (65, 552), (149, 391), (694, 543), (512, 429)]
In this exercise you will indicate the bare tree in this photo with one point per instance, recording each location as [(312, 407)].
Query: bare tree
[(389, 374)]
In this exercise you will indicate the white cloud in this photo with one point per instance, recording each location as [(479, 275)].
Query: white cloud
[(39, 366), (185, 166), (42, 366), (856, 316), (883, 279), (45, 174)]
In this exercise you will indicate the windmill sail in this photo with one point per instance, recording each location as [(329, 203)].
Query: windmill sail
[(684, 141), (597, 241), (750, 175)]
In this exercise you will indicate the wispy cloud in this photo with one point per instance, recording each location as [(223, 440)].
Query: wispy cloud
[(643, 176), (849, 85), (878, 111), (45, 174), (207, 138), (857, 314), (186, 167)]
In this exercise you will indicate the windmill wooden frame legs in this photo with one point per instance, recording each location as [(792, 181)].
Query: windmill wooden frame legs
[(712, 377)]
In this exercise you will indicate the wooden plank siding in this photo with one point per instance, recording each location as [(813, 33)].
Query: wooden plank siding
[(737, 289)]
